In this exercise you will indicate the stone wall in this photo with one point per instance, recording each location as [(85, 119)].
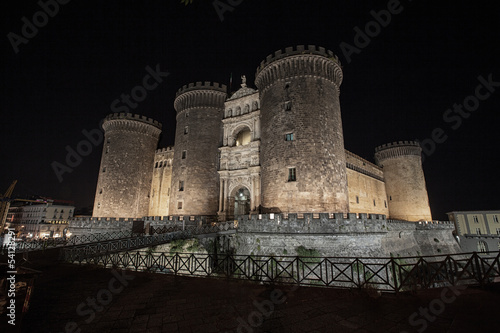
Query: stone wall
[(124, 182), (366, 186), (195, 181), (330, 234), (299, 95), (404, 180), (93, 225), (162, 180)]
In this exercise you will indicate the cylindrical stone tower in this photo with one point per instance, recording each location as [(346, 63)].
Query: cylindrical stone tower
[(125, 175), (303, 163), (195, 181), (404, 180)]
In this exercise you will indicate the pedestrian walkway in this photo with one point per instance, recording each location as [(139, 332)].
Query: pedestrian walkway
[(71, 297)]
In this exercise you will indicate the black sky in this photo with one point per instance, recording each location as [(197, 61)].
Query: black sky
[(398, 87)]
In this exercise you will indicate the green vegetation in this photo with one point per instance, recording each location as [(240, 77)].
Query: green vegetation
[(307, 256), (177, 246), (194, 247), (303, 252)]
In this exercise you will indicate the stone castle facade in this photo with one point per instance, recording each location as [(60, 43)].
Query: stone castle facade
[(278, 149)]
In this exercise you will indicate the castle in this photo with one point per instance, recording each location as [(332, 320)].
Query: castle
[(278, 149)]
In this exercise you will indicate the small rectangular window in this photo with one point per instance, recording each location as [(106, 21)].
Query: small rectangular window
[(287, 106), (357, 199), (495, 218), (292, 176), (186, 129), (179, 204), (104, 169), (183, 154), (475, 219), (478, 231), (498, 231), (289, 137), (181, 185)]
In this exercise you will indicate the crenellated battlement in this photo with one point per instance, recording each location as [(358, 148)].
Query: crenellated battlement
[(312, 223), (207, 85), (299, 49), (164, 150), (300, 61), (200, 95), (136, 117), (330, 223), (359, 164), (397, 149), (397, 144), (128, 125)]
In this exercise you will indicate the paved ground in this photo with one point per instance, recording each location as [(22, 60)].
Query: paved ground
[(66, 298)]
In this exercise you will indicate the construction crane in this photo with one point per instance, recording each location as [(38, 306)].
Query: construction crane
[(5, 201)]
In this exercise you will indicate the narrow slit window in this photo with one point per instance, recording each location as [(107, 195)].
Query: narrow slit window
[(292, 175), (181, 185), (287, 106), (183, 154), (186, 129)]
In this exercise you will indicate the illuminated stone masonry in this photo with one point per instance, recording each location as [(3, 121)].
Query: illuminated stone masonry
[(278, 149)]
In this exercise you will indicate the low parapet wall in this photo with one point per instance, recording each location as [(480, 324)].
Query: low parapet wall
[(330, 223), (333, 234), (82, 226), (93, 225), (187, 219)]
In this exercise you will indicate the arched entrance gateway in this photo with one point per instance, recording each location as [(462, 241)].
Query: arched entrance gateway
[(241, 202)]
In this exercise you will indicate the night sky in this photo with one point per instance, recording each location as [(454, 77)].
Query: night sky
[(398, 85)]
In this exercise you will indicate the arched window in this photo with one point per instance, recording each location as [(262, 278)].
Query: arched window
[(244, 137), (255, 105), (482, 247), (247, 108), (238, 111)]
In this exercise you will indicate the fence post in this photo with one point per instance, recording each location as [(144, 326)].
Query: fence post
[(176, 262), (298, 270), (477, 269), (394, 276)]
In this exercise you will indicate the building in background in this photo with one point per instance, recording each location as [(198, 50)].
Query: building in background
[(478, 231), (40, 220)]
